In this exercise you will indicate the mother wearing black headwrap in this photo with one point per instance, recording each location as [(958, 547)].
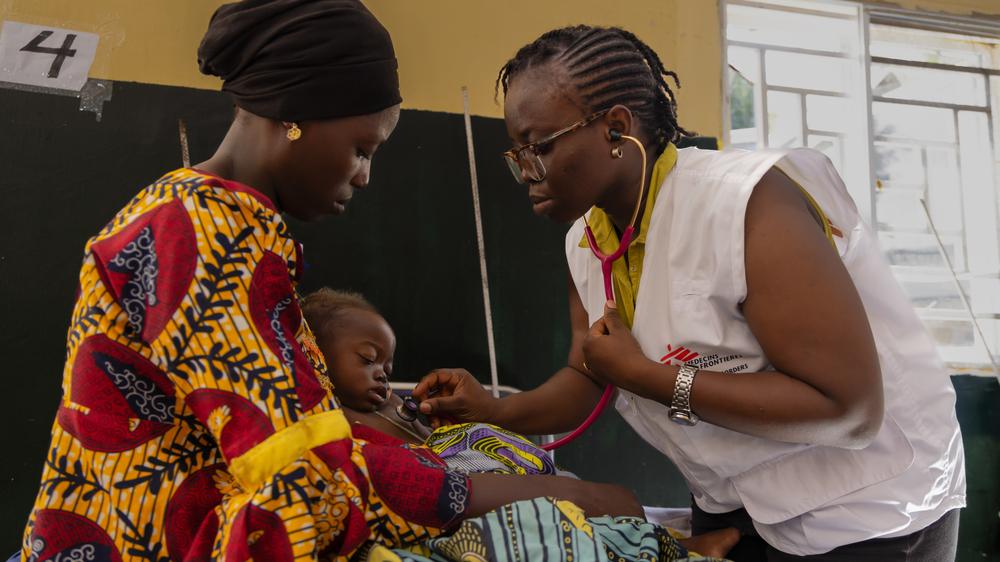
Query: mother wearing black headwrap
[(197, 421), (317, 91)]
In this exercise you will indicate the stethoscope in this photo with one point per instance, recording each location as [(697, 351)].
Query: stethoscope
[(607, 261), (409, 409)]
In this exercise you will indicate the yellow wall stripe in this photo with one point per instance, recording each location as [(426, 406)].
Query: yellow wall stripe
[(441, 44)]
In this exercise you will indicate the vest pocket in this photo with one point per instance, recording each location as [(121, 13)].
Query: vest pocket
[(803, 481)]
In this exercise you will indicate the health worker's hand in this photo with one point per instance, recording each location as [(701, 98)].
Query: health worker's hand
[(454, 395), (610, 350)]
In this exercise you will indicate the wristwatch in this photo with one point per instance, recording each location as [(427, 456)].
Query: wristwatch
[(680, 407)]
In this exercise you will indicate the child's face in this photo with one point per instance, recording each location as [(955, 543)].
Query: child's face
[(359, 353)]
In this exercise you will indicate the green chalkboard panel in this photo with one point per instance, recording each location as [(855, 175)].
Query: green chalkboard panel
[(407, 242), (62, 176)]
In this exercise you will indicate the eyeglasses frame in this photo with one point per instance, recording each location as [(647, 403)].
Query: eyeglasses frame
[(514, 155)]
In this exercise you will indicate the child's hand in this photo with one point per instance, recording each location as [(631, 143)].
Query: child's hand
[(456, 395), (490, 491)]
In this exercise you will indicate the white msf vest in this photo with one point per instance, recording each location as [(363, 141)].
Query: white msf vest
[(804, 499)]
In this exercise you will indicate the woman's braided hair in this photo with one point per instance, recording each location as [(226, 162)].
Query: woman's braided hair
[(608, 66)]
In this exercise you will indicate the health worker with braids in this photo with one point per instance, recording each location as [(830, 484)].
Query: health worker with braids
[(756, 335), (198, 421)]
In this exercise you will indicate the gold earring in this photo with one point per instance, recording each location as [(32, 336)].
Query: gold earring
[(294, 133), (616, 152)]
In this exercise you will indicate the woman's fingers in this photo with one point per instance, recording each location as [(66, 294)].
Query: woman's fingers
[(453, 395), (441, 405), (426, 384), (612, 320), (599, 328), (438, 381), (610, 323)]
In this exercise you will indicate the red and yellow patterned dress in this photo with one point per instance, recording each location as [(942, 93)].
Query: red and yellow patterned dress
[(196, 421)]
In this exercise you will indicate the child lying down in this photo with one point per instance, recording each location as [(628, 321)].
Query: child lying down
[(359, 345)]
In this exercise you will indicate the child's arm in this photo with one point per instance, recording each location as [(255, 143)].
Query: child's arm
[(490, 491)]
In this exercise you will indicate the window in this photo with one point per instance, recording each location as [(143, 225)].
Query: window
[(905, 108)]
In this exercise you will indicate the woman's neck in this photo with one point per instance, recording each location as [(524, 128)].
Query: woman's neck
[(622, 205), (239, 159)]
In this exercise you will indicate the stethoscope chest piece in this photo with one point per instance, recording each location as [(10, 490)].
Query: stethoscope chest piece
[(408, 409)]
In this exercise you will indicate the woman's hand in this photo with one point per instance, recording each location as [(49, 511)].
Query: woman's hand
[(456, 395), (610, 350)]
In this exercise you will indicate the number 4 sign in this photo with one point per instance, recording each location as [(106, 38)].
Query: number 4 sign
[(45, 56)]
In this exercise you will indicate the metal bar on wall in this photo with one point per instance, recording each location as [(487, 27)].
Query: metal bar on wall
[(488, 308), (961, 291)]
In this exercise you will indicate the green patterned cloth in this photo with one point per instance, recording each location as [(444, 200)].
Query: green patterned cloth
[(544, 529)]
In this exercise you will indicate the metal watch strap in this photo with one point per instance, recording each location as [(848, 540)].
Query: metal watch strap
[(680, 407)]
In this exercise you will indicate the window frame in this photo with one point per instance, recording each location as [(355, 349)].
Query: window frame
[(868, 15)]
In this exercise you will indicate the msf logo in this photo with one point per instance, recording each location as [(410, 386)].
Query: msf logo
[(678, 356)]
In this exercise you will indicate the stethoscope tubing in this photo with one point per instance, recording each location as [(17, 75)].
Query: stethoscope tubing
[(607, 261)]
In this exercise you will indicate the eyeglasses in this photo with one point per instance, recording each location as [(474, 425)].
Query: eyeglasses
[(524, 161)]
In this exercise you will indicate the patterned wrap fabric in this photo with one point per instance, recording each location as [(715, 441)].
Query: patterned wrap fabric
[(482, 447), (546, 529), (193, 423)]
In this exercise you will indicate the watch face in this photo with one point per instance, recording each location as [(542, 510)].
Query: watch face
[(683, 418)]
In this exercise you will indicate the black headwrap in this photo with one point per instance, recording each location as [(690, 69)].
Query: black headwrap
[(298, 60)]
